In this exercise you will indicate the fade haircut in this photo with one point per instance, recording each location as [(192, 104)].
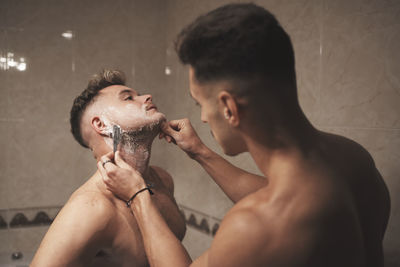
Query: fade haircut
[(98, 82), (243, 43)]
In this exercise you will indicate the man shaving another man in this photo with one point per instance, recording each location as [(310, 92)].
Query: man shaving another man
[(322, 201), (94, 228)]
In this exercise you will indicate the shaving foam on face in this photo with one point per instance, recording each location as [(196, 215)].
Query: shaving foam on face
[(137, 135), (107, 131)]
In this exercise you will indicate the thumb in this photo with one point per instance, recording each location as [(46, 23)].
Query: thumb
[(110, 155), (120, 162), (168, 130)]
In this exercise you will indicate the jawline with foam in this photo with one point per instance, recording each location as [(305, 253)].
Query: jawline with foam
[(135, 143)]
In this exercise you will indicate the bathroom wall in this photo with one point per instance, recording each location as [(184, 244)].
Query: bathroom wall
[(348, 75)]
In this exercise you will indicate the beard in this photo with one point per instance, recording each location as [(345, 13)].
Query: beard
[(145, 133)]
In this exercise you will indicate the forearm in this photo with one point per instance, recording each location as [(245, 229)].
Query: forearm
[(161, 245), (235, 182)]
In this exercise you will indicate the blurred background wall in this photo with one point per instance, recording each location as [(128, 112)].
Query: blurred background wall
[(348, 69)]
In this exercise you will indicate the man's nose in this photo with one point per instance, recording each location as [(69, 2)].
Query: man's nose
[(147, 98)]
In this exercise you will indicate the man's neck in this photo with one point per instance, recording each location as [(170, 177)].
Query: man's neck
[(135, 148), (284, 150), (136, 153)]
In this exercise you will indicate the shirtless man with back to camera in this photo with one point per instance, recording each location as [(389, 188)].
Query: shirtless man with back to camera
[(321, 202)]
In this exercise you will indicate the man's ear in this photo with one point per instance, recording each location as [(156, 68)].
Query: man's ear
[(99, 126), (229, 107)]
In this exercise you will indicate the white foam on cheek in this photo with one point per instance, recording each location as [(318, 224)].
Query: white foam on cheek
[(109, 142), (139, 113), (108, 139), (107, 114), (108, 124), (104, 116)]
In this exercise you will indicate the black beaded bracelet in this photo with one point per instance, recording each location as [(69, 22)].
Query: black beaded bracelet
[(129, 202)]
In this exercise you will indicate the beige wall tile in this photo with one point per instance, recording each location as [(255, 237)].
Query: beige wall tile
[(26, 240), (359, 87), (4, 179), (103, 38), (196, 242), (43, 172), (21, 13)]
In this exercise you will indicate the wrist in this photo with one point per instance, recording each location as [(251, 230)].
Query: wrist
[(141, 202), (131, 199), (203, 153), (133, 190)]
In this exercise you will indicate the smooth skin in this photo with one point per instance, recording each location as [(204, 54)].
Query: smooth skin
[(96, 229), (321, 201)]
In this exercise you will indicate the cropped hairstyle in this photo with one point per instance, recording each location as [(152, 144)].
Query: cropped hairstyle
[(239, 42), (98, 82)]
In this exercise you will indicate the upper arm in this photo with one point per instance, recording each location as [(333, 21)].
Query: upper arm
[(235, 244), (76, 234), (239, 241), (166, 178), (247, 239)]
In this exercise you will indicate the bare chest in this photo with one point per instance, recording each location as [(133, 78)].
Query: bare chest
[(127, 247)]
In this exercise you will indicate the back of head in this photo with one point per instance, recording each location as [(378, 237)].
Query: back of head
[(98, 82), (243, 43)]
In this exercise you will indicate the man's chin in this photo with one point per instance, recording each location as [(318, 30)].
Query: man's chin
[(151, 123), (159, 119), (156, 121), (163, 118)]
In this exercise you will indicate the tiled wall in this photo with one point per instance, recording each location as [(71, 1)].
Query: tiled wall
[(348, 74)]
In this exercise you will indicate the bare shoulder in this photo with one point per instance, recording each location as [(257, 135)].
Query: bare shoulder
[(165, 177), (93, 203), (91, 211), (263, 231), (358, 168), (243, 231), (348, 148), (82, 224)]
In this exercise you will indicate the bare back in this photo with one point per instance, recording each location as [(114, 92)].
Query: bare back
[(116, 239), (330, 208), (368, 192)]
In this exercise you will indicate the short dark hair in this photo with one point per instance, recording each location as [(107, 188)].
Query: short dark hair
[(237, 41), (98, 82)]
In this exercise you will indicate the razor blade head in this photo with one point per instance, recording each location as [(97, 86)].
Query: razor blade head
[(116, 135)]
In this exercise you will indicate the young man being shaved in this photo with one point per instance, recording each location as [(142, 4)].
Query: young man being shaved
[(323, 203), (94, 228)]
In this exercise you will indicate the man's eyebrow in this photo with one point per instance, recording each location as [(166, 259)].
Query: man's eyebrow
[(130, 91)]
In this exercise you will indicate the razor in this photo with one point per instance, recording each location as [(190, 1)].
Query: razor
[(116, 135)]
